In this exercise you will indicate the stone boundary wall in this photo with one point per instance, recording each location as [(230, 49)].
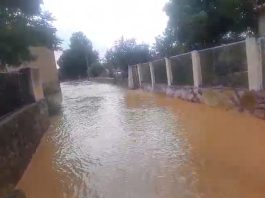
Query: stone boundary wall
[(14, 92), (20, 134), (243, 100), (19, 88)]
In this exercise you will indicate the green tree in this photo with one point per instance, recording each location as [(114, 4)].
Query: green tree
[(199, 24), (74, 62), (24, 24), (96, 69), (127, 52), (166, 45)]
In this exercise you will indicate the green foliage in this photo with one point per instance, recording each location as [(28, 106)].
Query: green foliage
[(22, 25), (127, 52), (96, 70), (195, 24), (26, 6), (74, 62), (166, 45)]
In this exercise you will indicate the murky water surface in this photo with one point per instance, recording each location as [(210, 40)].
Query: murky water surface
[(113, 143)]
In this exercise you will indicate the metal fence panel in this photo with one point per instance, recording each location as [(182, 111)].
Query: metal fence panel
[(146, 74), (225, 65), (160, 71), (182, 69)]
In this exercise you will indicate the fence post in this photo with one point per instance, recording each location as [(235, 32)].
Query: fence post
[(254, 61), (130, 78), (169, 71), (139, 69), (196, 67), (152, 72)]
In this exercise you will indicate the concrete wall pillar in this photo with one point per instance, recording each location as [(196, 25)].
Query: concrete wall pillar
[(36, 85), (152, 72), (254, 61), (196, 67), (130, 78), (139, 69), (169, 71), (46, 63)]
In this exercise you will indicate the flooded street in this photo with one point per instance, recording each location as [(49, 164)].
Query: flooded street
[(109, 142)]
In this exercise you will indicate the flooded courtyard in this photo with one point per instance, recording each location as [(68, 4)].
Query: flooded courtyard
[(109, 142)]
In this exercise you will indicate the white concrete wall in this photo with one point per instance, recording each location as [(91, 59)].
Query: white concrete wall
[(36, 84), (130, 78), (254, 60), (46, 63), (196, 67), (152, 72), (139, 69), (169, 72)]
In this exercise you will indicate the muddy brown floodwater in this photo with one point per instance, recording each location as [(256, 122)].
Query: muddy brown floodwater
[(113, 143)]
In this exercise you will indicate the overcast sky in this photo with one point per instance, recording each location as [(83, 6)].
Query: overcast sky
[(104, 21)]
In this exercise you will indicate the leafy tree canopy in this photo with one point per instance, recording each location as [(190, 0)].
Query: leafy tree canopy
[(24, 24), (166, 45), (96, 69), (195, 24), (127, 52), (74, 62), (26, 6)]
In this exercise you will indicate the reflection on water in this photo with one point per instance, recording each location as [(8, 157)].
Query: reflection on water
[(114, 143)]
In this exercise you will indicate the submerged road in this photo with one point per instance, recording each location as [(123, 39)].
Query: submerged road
[(109, 142)]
